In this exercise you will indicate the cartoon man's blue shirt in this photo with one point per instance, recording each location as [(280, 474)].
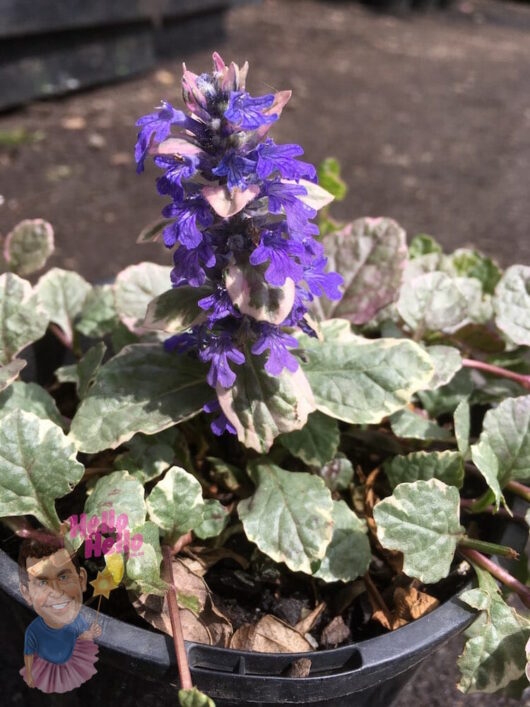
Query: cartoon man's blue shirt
[(55, 645)]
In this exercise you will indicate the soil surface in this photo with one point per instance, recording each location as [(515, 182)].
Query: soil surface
[(429, 115)]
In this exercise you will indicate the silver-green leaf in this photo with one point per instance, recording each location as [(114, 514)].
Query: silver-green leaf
[(135, 287), (142, 389), (421, 520), (121, 493), (364, 381), (28, 246), (62, 294), (289, 517), (348, 555), (316, 443), (30, 397), (22, 318), (421, 466), (10, 372), (37, 465), (176, 310), (175, 504), (512, 304)]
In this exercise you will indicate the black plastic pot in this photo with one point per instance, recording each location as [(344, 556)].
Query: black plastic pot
[(141, 664)]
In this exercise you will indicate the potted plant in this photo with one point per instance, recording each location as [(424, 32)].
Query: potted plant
[(288, 456)]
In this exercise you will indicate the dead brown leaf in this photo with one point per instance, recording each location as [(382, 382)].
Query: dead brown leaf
[(206, 557), (299, 668), (269, 635), (335, 633), (305, 625), (409, 605), (207, 625)]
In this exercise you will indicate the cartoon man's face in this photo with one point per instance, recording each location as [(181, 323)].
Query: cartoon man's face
[(55, 588)]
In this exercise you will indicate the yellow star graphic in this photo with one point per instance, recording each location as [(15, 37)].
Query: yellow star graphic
[(103, 584)]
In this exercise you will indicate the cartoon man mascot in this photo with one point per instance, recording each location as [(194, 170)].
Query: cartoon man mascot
[(59, 648)]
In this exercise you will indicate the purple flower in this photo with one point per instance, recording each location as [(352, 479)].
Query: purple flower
[(278, 250), (277, 341), (272, 158), (221, 423), (247, 113), (177, 169), (156, 127), (184, 229), (321, 282), (221, 304), (190, 264), (235, 168), (182, 343), (218, 352), (282, 195)]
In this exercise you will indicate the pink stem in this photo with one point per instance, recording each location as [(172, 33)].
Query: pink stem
[(498, 371), (468, 503), (499, 573), (174, 615), (518, 489)]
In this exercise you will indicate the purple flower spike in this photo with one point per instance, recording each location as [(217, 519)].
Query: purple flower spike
[(220, 303), (177, 169), (219, 351), (247, 113), (276, 341), (236, 168), (190, 264), (156, 127)]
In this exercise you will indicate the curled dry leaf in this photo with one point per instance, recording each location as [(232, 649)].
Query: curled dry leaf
[(201, 558), (409, 604), (299, 668), (269, 635), (208, 626), (392, 557), (306, 624)]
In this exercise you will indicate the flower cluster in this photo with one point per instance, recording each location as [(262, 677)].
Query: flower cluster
[(240, 221)]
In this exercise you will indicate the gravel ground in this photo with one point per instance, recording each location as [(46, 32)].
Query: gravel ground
[(429, 115)]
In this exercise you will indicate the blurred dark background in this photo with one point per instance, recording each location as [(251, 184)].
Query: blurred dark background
[(428, 111)]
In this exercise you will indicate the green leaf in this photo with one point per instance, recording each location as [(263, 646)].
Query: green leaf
[(142, 389), (338, 473), (253, 295), (153, 232), (487, 463), (329, 178), (142, 570), (230, 476), (316, 197), (22, 319), (512, 304), (28, 246), (214, 521), (446, 399), (447, 362), (37, 465), (261, 407), (370, 255), (316, 443), (194, 698), (122, 494), (348, 555), (88, 367), (62, 294), (147, 457), (422, 244), (462, 422), (506, 429), (421, 466), (364, 382), (494, 654), (175, 504), (98, 316), (289, 517), (10, 372), (421, 520), (467, 262), (134, 288), (432, 302), (408, 425), (30, 397), (176, 310)]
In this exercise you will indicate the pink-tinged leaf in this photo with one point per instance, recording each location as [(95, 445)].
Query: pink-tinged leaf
[(176, 146), (193, 96), (218, 62), (252, 294), (371, 255), (153, 232), (28, 246), (227, 203), (261, 407), (281, 98)]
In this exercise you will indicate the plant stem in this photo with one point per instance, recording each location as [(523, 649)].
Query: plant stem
[(519, 490), (489, 548), (96, 471), (498, 371), (471, 506), (184, 540), (377, 599), (499, 573), (178, 637)]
